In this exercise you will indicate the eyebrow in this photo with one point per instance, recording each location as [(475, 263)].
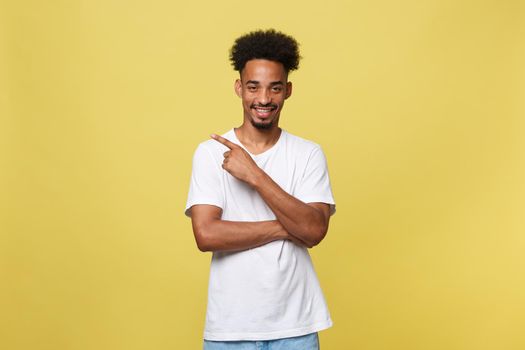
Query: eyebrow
[(273, 83)]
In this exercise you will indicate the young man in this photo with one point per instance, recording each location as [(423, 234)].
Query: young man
[(258, 198)]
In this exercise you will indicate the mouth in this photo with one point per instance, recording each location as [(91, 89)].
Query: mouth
[(264, 111)]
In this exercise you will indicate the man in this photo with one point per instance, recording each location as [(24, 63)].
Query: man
[(258, 198)]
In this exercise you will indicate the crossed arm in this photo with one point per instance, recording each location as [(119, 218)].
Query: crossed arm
[(303, 223)]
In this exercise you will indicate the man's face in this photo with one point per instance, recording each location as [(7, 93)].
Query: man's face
[(263, 87)]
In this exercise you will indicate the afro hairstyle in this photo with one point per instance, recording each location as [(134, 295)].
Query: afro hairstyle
[(265, 44)]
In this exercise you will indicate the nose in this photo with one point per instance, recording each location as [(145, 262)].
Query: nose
[(264, 96)]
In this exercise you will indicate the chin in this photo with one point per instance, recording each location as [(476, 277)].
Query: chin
[(262, 126)]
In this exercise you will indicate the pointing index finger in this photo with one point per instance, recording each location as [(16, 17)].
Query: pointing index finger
[(224, 141)]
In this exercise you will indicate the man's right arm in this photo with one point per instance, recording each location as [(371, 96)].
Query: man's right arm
[(214, 234)]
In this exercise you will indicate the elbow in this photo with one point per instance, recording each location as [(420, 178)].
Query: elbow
[(203, 246), (315, 228), (315, 234), (202, 238), (318, 237)]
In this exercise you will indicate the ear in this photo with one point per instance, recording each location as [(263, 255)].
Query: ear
[(238, 87), (288, 89)]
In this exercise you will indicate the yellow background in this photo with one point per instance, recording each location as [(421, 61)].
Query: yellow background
[(419, 106)]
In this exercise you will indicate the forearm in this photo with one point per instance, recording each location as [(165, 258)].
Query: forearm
[(301, 220), (306, 222), (221, 235)]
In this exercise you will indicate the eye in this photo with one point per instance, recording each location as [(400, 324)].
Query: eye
[(277, 89), (252, 88)]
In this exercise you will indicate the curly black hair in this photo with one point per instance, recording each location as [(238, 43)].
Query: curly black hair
[(265, 44)]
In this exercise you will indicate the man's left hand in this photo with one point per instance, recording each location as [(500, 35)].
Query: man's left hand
[(238, 162)]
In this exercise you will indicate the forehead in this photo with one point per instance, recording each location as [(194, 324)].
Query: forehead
[(263, 71)]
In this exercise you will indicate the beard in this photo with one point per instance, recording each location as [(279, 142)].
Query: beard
[(263, 126)]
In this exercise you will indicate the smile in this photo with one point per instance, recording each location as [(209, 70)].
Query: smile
[(264, 111)]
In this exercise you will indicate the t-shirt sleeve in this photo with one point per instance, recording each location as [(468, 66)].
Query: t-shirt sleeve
[(206, 180), (315, 183)]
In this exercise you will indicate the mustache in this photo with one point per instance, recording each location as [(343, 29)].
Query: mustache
[(272, 105)]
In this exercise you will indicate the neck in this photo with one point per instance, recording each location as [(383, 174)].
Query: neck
[(257, 140)]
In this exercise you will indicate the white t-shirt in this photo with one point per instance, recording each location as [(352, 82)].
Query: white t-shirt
[(271, 291)]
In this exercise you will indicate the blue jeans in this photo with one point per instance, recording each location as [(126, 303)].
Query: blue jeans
[(304, 342)]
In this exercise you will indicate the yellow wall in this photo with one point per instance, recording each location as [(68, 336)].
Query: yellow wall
[(420, 108)]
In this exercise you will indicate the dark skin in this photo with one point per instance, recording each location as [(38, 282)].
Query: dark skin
[(263, 88)]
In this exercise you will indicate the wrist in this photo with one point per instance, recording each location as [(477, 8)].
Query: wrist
[(257, 178), (278, 231)]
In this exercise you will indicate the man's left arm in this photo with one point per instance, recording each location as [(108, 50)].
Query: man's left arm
[(306, 221)]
